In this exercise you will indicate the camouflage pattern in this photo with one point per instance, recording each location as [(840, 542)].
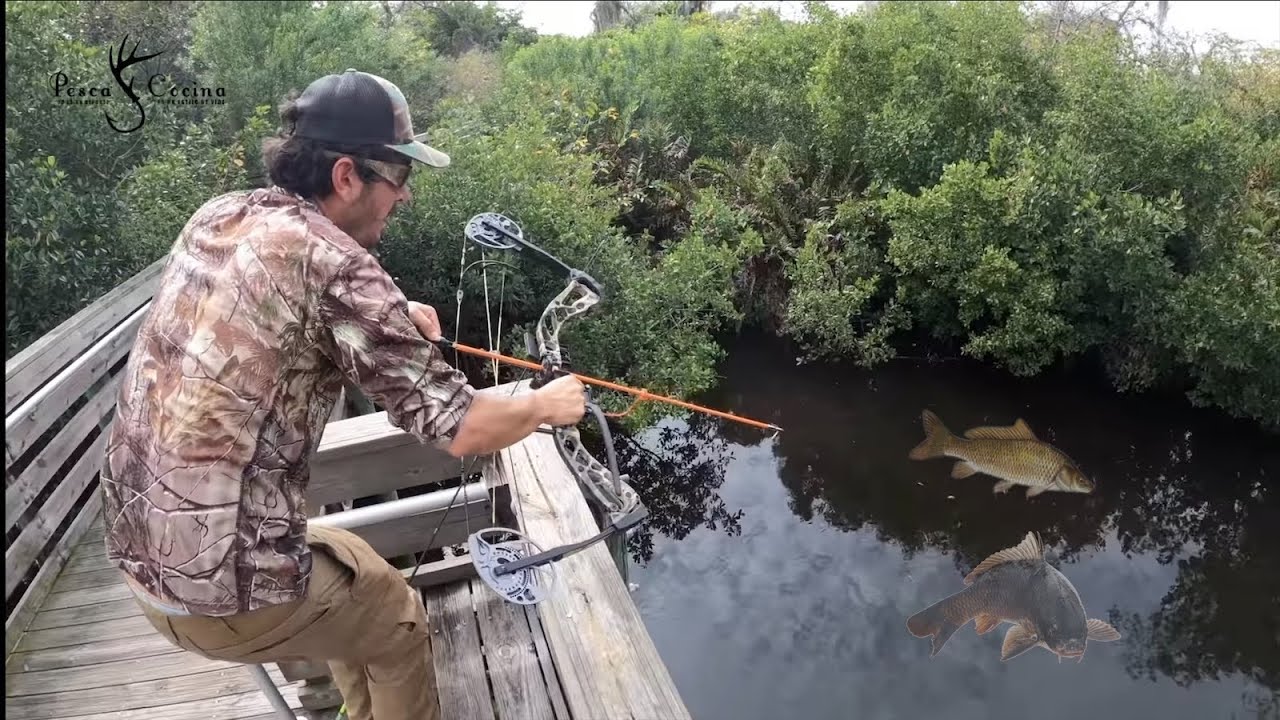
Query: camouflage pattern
[(399, 111), (402, 127), (263, 308)]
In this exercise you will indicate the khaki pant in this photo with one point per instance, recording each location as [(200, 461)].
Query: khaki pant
[(358, 614)]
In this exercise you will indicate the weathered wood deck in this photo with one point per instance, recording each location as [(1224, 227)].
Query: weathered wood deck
[(89, 653), (78, 646)]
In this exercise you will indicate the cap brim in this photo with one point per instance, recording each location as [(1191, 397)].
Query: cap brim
[(423, 153)]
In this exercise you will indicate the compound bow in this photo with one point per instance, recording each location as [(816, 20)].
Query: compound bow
[(508, 567)]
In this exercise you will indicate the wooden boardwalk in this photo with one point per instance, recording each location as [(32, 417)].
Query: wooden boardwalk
[(89, 654), (77, 645)]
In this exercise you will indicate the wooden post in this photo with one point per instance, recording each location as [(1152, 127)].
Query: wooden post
[(618, 548)]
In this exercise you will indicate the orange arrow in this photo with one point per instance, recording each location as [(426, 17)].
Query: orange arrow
[(639, 394)]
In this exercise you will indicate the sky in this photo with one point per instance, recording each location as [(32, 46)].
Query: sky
[(1253, 20)]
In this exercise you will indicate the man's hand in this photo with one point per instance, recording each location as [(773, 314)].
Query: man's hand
[(562, 401), (425, 319)]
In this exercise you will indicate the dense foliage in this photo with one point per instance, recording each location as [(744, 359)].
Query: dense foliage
[(983, 179)]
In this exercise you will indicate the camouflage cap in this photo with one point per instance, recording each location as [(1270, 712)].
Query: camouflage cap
[(357, 108)]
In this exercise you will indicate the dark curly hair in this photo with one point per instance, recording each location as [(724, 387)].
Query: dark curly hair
[(303, 166)]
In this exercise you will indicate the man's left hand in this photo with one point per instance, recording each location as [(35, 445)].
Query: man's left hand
[(425, 319)]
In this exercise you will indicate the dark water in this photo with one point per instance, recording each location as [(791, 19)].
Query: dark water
[(825, 539)]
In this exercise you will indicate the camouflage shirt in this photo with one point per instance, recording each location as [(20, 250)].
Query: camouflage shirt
[(263, 308)]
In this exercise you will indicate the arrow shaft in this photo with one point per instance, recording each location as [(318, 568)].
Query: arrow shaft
[(642, 394)]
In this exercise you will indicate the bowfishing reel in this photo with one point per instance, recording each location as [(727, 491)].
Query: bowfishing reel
[(492, 560)]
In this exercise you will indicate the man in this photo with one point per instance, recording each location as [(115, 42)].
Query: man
[(269, 300)]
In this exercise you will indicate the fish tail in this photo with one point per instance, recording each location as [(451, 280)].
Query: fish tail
[(937, 438), (933, 621)]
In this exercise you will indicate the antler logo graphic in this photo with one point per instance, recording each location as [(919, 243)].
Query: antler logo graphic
[(118, 65)]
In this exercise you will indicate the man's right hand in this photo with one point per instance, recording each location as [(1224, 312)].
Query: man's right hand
[(562, 401)]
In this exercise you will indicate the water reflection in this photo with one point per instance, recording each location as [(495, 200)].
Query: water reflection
[(842, 537), (677, 474)]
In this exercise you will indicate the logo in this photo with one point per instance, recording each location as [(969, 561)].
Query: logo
[(158, 88), (118, 65)]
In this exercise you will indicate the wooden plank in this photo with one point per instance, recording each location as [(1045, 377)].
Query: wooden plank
[(86, 551), (367, 455), (19, 556), (19, 495), (519, 690), (120, 629), (80, 598), (88, 558), (159, 696), (500, 475), (412, 532), (132, 696), (110, 674), (441, 572), (550, 678), (46, 578), (455, 649), (29, 369), (241, 706), (606, 661), (89, 580), (25, 425), (84, 614), (94, 535), (91, 653)]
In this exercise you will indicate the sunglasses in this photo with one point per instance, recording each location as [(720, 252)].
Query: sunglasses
[(394, 173)]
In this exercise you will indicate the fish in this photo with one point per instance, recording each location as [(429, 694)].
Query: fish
[(1019, 586), (1012, 454)]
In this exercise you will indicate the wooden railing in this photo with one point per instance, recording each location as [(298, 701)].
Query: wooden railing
[(60, 398)]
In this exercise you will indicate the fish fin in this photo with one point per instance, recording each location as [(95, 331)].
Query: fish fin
[(936, 438), (1029, 549), (1002, 486), (933, 621), (962, 470), (1017, 431), (1035, 490), (986, 623), (1017, 641), (1100, 631)]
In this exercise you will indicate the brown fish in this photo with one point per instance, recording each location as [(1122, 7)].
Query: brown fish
[(1016, 585), (1013, 454)]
